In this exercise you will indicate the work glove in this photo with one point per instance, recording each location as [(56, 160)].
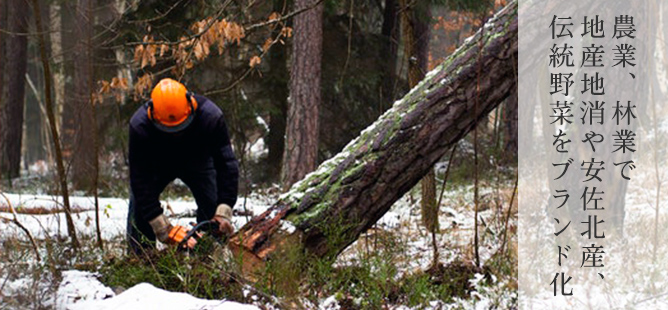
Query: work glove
[(166, 233), (224, 219)]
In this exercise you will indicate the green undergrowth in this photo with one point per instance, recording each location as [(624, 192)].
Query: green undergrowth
[(372, 280), (200, 273), (376, 283), (377, 279)]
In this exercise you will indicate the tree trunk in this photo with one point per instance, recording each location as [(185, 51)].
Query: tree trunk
[(87, 7), (422, 33), (301, 150), (69, 116), (331, 207), (82, 148), (11, 115), (55, 20), (33, 150), (3, 60), (278, 87), (510, 121), (415, 30), (390, 32), (122, 72)]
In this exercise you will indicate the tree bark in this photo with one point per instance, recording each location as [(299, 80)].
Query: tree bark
[(87, 7), (277, 81), (82, 148), (55, 21), (422, 33), (390, 33), (301, 143), (415, 30), (331, 207), (3, 60), (11, 115), (510, 120)]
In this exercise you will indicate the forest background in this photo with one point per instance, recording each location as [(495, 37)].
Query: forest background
[(296, 80)]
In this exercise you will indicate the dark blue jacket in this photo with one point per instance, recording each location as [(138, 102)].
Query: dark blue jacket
[(156, 155)]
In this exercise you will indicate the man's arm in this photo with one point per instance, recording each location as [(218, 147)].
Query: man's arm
[(227, 176), (146, 187), (142, 180), (227, 167)]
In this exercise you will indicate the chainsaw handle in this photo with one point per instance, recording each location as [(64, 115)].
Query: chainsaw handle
[(195, 229)]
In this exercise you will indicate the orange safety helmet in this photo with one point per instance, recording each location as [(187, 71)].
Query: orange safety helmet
[(172, 107)]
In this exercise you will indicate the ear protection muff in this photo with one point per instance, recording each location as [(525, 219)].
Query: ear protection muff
[(149, 109), (190, 96)]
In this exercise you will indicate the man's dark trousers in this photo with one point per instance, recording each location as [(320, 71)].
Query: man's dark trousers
[(202, 184)]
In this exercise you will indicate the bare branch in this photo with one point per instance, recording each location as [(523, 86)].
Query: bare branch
[(16, 222), (237, 81), (52, 124), (195, 36), (278, 20), (26, 34)]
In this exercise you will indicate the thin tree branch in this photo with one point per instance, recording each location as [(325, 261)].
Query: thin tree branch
[(434, 244), (350, 36), (475, 152), (16, 222), (160, 15), (290, 15), (447, 172), (248, 71), (195, 36), (26, 34), (54, 131)]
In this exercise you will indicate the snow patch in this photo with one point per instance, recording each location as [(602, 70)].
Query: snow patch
[(288, 227), (262, 123), (78, 287), (258, 149), (330, 303), (147, 296)]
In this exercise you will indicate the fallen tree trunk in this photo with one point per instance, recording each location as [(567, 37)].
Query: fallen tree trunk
[(331, 207)]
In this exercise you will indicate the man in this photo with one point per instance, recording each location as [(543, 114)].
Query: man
[(178, 134)]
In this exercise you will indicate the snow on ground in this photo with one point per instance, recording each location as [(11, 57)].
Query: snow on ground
[(77, 287), (147, 296), (81, 290), (456, 218), (113, 214)]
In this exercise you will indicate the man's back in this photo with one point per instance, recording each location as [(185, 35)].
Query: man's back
[(191, 148)]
